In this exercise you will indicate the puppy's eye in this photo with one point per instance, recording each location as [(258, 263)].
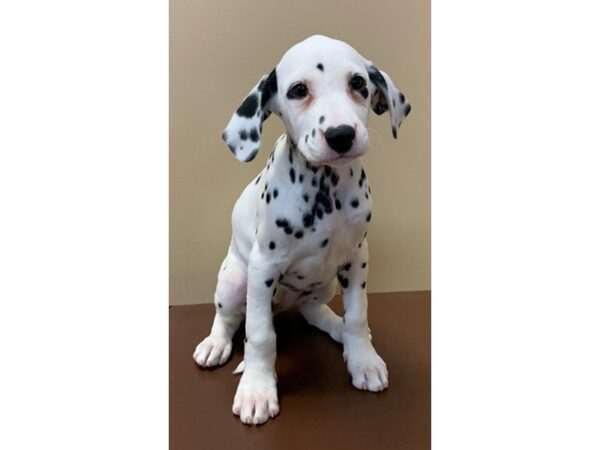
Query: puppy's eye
[(357, 82), (297, 91)]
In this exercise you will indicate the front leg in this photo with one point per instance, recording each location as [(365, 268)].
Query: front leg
[(256, 397), (366, 367)]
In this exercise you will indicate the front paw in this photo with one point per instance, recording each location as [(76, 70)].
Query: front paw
[(368, 370), (212, 351), (256, 398)]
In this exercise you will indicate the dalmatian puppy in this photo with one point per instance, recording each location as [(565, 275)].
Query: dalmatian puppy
[(300, 227)]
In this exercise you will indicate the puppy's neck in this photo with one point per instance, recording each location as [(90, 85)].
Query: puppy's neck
[(287, 165)]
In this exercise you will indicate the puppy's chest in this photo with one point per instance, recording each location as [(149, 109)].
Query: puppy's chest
[(313, 218), (317, 260)]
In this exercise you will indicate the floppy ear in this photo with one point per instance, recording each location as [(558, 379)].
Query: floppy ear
[(244, 130), (385, 96)]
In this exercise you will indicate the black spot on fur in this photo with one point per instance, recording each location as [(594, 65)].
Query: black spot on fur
[(269, 282), (366, 196), (254, 135), (248, 106), (275, 193), (369, 217), (251, 155), (268, 197), (291, 286), (344, 282), (314, 182), (364, 265), (376, 77), (300, 277), (219, 305), (380, 107), (321, 119), (364, 284), (257, 180), (298, 234), (354, 203), (306, 138), (305, 197), (338, 204), (245, 340), (334, 178), (407, 109), (272, 245), (325, 201), (268, 88), (320, 67), (323, 186), (308, 220), (324, 243), (313, 132), (360, 182), (347, 266), (292, 175), (282, 223), (401, 97), (243, 135), (351, 172), (300, 178)]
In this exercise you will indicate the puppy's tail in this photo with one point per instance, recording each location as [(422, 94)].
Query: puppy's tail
[(240, 368)]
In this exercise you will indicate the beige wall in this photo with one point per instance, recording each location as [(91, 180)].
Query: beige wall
[(218, 51)]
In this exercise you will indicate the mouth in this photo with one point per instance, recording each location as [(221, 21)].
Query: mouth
[(328, 156), (339, 158)]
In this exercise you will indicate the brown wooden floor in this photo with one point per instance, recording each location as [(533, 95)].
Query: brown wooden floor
[(319, 407)]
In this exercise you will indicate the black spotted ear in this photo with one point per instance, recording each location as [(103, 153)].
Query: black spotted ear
[(385, 96), (244, 130)]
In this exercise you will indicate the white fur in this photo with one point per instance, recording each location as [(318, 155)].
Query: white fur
[(278, 257)]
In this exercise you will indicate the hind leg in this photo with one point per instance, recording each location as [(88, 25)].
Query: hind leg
[(317, 313), (230, 296)]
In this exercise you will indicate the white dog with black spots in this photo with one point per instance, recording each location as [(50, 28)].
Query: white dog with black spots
[(300, 227)]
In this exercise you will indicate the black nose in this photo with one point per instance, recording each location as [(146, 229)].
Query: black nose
[(340, 138)]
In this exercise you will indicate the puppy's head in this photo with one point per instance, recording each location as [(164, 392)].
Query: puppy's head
[(322, 90)]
